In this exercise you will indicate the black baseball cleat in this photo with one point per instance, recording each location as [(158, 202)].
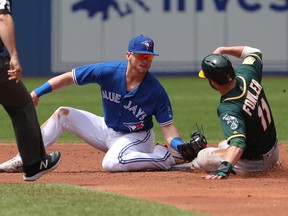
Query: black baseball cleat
[(49, 163)]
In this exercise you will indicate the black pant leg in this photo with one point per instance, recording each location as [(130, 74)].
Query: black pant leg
[(18, 103)]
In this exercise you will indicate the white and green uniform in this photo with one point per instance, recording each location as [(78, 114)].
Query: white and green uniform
[(247, 122)]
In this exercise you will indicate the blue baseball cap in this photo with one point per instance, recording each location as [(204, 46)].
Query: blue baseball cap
[(142, 45)]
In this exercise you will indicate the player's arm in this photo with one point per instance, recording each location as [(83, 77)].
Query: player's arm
[(237, 51), (53, 84), (188, 150), (7, 33), (232, 156), (170, 133)]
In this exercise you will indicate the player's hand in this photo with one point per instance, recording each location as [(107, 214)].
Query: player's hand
[(34, 98), (222, 172), (209, 176), (15, 71)]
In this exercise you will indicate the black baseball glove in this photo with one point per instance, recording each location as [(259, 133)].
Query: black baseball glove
[(189, 150)]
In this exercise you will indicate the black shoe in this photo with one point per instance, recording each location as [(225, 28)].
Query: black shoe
[(49, 163)]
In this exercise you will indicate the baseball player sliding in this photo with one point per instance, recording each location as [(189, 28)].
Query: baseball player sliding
[(130, 97), (245, 115)]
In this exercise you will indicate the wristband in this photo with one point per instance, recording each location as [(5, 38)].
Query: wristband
[(247, 50), (224, 170), (175, 142), (43, 89)]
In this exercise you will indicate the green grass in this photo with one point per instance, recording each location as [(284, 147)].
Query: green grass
[(60, 199), (193, 100)]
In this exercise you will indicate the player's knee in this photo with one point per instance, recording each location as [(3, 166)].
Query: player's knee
[(62, 111), (115, 164), (111, 165), (207, 161), (62, 114)]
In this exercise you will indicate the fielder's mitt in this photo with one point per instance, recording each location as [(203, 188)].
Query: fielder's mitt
[(189, 150)]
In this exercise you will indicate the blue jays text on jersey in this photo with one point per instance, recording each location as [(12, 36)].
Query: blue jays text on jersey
[(126, 111)]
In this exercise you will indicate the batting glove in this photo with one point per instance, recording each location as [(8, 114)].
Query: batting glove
[(224, 170)]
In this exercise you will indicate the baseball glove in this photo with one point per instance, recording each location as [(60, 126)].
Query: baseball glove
[(189, 150)]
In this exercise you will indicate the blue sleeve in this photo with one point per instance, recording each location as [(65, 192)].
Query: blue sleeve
[(163, 112), (87, 74)]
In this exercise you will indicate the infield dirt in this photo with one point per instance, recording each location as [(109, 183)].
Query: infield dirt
[(256, 195)]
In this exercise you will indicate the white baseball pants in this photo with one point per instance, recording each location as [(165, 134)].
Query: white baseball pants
[(124, 151)]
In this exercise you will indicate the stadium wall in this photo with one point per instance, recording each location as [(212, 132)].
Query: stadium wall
[(53, 36)]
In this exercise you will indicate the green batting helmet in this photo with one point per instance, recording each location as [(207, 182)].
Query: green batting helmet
[(217, 67)]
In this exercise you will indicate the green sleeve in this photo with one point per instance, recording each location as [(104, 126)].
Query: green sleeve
[(238, 142)]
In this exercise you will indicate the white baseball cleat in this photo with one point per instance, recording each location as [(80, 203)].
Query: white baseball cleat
[(13, 165)]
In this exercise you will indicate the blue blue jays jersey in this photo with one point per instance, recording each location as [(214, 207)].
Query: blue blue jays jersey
[(126, 111)]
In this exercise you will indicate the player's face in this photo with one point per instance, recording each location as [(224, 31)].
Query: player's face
[(212, 84), (140, 62)]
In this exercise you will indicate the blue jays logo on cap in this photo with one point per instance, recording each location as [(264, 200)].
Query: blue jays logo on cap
[(142, 45), (148, 44)]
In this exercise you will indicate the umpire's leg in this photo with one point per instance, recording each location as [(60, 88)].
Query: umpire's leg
[(18, 103)]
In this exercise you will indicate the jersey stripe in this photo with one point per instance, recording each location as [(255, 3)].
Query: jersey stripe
[(243, 92), (122, 152), (234, 136)]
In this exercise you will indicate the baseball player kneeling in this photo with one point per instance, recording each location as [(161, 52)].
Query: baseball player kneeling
[(131, 96)]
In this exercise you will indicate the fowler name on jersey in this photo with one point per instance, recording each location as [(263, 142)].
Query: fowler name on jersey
[(252, 98)]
